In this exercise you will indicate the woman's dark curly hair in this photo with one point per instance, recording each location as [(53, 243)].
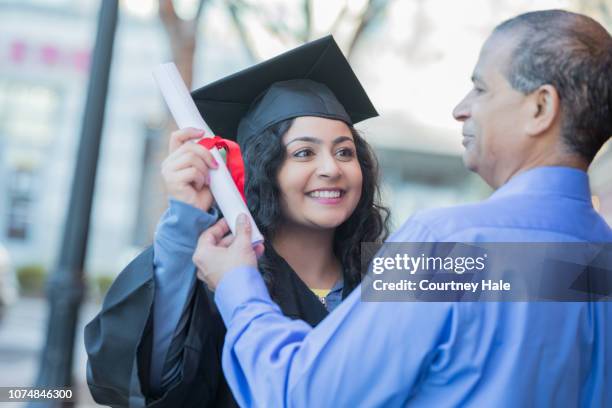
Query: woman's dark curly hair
[(263, 156)]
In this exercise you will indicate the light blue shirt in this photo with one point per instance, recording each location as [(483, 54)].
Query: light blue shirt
[(518, 354)]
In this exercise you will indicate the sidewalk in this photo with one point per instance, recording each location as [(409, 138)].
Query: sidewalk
[(22, 334)]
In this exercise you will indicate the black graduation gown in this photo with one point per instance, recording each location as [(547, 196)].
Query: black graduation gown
[(119, 339)]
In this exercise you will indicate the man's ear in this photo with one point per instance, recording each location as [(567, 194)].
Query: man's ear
[(544, 109)]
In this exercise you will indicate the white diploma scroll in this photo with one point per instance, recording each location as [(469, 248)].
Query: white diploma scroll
[(186, 114)]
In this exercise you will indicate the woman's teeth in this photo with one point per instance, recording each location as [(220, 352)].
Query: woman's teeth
[(325, 194)]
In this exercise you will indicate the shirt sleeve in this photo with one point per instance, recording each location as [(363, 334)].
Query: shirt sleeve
[(369, 354), (175, 240)]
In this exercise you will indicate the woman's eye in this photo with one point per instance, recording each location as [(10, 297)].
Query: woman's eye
[(303, 153), (345, 153)]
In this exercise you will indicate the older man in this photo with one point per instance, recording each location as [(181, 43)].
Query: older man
[(540, 109)]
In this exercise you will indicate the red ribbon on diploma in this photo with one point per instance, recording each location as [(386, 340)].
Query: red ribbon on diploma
[(233, 159)]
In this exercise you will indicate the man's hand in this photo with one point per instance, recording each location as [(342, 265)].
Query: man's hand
[(218, 253), (185, 170)]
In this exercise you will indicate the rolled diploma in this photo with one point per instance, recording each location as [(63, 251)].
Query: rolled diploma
[(186, 114)]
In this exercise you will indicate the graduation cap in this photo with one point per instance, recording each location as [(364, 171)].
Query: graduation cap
[(314, 79)]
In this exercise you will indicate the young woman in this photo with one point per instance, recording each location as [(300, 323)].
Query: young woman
[(312, 188)]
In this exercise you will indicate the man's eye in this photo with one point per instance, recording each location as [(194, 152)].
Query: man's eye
[(303, 153), (478, 90)]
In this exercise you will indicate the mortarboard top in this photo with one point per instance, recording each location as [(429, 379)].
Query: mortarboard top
[(314, 79)]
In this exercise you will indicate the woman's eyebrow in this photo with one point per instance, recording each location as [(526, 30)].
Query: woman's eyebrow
[(341, 139), (315, 140), (305, 139)]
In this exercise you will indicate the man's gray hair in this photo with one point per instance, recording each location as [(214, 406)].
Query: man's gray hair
[(573, 53)]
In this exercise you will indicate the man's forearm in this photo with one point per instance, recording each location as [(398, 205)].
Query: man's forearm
[(271, 360)]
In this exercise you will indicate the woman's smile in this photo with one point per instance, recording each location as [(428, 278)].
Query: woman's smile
[(327, 196)]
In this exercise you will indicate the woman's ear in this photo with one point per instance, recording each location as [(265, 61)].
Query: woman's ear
[(544, 110)]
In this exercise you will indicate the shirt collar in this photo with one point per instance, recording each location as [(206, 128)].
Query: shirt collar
[(560, 181), (338, 286)]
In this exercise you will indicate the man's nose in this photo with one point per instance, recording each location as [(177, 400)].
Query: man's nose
[(461, 111)]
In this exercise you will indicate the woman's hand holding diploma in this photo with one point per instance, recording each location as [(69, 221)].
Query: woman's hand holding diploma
[(186, 169), (186, 115)]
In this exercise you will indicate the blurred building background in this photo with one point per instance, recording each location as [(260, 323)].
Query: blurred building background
[(414, 58)]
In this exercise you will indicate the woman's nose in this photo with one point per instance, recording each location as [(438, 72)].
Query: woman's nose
[(328, 167)]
